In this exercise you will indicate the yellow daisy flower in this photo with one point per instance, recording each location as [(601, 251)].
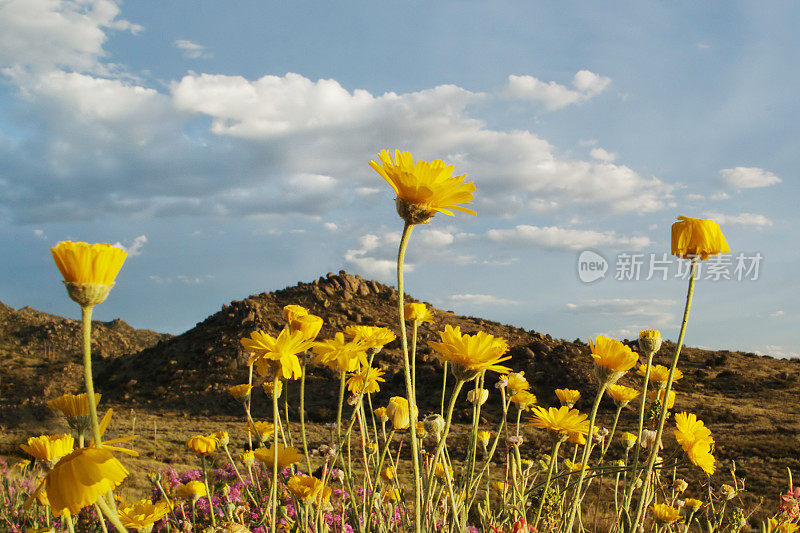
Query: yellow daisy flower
[(292, 312), (611, 358), (287, 455), (240, 392), (202, 445), (340, 355), (398, 412), (665, 514), (365, 381), (658, 394), (192, 490), (141, 514), (622, 395), (696, 440), (424, 189), (270, 387), (516, 382), (697, 237), (264, 429), (308, 325), (277, 354), (308, 488), (94, 264), (415, 312), (659, 373), (563, 421), (568, 397), (78, 479), (371, 336), (524, 400), (49, 447), (471, 354)]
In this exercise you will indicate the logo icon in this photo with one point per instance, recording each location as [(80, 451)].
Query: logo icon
[(591, 266)]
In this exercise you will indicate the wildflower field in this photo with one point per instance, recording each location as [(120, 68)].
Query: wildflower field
[(514, 463)]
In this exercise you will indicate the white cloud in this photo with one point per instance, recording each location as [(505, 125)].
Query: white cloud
[(747, 177), (135, 247), (328, 121), (778, 351), (602, 155), (720, 196), (777, 313), (40, 233), (43, 34), (191, 49), (367, 191), (330, 226), (370, 266), (556, 238), (552, 95), (743, 219), (479, 299), (181, 278), (639, 313)]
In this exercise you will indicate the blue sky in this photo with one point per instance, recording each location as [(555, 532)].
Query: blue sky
[(227, 149)]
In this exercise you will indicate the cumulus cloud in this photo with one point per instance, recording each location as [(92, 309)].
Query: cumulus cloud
[(479, 299), (191, 50), (602, 155), (135, 247), (743, 219), (747, 177), (43, 34), (100, 142), (638, 313), (555, 238), (780, 352), (365, 262), (552, 95), (778, 313)]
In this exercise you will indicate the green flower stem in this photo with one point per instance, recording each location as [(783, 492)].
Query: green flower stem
[(255, 430), (100, 517), (303, 413), (553, 459), (111, 514), (86, 328), (585, 459), (412, 400), (286, 410), (208, 493), (611, 435), (688, 521), (440, 445), (339, 408), (492, 450), (238, 475), (629, 495), (273, 493), (472, 449), (444, 388), (414, 358), (194, 515), (663, 417)]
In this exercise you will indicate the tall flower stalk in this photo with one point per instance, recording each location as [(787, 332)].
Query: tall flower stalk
[(662, 418), (401, 253), (423, 189)]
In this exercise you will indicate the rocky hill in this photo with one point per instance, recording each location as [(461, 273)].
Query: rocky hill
[(35, 347)]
